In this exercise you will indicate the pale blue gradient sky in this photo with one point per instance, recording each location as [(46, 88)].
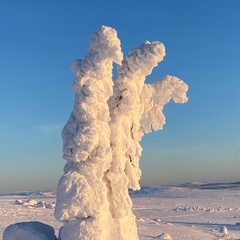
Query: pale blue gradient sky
[(39, 40)]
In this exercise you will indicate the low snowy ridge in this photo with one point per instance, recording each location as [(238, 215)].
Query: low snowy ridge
[(200, 185), (35, 203), (192, 208), (148, 191)]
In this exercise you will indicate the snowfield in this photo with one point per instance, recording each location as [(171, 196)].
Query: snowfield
[(190, 212)]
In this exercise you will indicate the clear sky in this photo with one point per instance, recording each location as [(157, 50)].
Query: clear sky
[(39, 40)]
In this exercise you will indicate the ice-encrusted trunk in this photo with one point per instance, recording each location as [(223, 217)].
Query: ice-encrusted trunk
[(101, 138), (82, 194)]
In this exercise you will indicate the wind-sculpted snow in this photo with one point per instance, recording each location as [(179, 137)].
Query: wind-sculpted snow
[(101, 138), (82, 201), (153, 98), (29, 231)]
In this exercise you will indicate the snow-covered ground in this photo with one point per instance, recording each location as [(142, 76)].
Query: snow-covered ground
[(190, 212)]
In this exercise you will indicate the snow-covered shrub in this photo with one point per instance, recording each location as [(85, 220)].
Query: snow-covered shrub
[(101, 138), (29, 231)]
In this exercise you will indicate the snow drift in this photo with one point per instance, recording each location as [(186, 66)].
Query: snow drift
[(101, 138), (29, 231)]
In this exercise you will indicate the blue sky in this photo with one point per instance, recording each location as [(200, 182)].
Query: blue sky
[(39, 40)]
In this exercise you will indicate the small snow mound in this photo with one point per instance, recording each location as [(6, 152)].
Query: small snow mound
[(49, 205), (157, 219), (29, 231), (18, 202), (224, 230), (32, 202), (165, 236), (41, 204)]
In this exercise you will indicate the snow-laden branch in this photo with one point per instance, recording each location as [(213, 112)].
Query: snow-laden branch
[(153, 98), (125, 107)]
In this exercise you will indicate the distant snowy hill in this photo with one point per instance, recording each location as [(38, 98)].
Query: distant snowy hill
[(145, 190), (200, 185), (46, 194)]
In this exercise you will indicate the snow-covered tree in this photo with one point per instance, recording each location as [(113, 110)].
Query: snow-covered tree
[(101, 138)]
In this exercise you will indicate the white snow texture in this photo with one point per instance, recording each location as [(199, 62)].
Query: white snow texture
[(101, 138)]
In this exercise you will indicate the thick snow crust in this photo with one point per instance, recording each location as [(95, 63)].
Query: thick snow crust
[(101, 138)]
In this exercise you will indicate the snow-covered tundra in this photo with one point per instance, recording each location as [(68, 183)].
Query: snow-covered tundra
[(101, 138), (195, 211)]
